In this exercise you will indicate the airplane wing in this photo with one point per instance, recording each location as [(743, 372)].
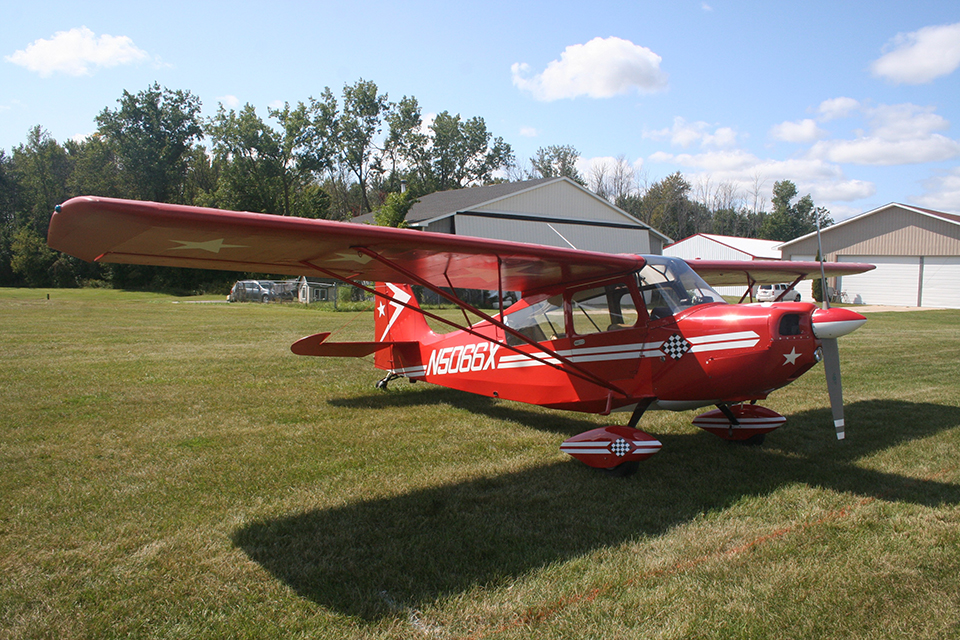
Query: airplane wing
[(133, 232), (720, 273)]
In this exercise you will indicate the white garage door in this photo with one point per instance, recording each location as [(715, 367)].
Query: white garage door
[(895, 281), (941, 282), (805, 287)]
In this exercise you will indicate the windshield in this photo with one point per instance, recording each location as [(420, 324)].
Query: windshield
[(669, 285)]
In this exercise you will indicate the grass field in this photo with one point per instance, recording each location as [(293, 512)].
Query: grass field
[(173, 471)]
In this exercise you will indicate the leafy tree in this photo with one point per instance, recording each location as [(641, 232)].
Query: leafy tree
[(462, 153), (407, 148), (151, 135), (393, 213), (788, 221), (31, 259), (557, 161), (96, 170), (41, 168), (272, 170), (667, 207), (361, 121), (453, 154)]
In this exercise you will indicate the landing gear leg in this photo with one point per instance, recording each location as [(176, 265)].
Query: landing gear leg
[(638, 412), (382, 384), (752, 441)]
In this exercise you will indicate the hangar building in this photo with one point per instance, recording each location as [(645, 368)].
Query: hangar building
[(916, 251), (550, 211)]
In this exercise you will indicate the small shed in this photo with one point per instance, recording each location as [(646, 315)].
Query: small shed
[(708, 246), (916, 252), (310, 290)]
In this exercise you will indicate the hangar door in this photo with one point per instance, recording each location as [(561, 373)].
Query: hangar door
[(941, 276), (895, 281)]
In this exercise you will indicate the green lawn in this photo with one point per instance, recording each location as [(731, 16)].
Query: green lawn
[(172, 470)]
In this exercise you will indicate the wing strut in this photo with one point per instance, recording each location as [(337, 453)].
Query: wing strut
[(568, 366), (749, 291)]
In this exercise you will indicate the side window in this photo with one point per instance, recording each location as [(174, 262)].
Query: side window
[(599, 309), (540, 321)]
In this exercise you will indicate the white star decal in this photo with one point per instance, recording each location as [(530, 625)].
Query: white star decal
[(382, 309), (213, 246), (791, 357)]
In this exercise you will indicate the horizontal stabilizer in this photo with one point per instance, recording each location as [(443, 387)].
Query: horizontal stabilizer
[(316, 345)]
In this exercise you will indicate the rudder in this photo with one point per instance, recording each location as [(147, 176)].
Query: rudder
[(396, 316)]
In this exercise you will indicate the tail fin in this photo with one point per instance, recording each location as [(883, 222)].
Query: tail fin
[(397, 316)]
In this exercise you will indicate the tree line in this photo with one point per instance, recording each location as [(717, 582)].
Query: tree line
[(329, 157)]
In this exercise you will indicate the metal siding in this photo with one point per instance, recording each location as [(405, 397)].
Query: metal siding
[(588, 238), (891, 232), (562, 201), (940, 282)]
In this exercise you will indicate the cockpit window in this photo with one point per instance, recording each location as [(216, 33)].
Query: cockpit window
[(669, 285), (541, 321), (606, 308)]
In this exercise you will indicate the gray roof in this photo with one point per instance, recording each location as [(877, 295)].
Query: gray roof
[(447, 203), (442, 203)]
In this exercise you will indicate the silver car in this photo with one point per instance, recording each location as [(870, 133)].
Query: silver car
[(774, 292)]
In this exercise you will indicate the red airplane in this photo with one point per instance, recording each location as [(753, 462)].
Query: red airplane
[(592, 332)]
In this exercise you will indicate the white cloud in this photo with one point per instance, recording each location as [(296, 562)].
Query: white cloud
[(76, 52), (825, 182), (601, 68), (837, 108), (229, 101), (899, 134), (943, 192), (802, 131), (684, 134), (528, 132), (920, 56)]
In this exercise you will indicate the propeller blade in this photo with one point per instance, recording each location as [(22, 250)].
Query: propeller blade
[(831, 366)]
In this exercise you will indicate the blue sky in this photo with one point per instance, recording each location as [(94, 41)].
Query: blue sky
[(856, 103)]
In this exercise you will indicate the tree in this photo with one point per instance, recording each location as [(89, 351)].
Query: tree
[(462, 154), (151, 134), (95, 168), (788, 221), (274, 170), (407, 149), (41, 168), (667, 207), (361, 121), (31, 259), (557, 161), (393, 213)]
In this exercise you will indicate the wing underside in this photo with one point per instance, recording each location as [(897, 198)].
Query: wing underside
[(720, 273), (133, 232)]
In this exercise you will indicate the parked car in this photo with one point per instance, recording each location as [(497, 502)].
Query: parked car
[(772, 292), (250, 291)]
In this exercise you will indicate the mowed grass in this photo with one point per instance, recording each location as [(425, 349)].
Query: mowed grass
[(171, 470)]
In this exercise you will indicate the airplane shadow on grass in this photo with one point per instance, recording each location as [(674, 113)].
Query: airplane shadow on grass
[(362, 559)]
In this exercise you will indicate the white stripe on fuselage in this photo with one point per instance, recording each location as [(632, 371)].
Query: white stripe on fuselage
[(485, 356)]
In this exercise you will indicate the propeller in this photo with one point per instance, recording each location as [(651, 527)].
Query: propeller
[(828, 325)]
